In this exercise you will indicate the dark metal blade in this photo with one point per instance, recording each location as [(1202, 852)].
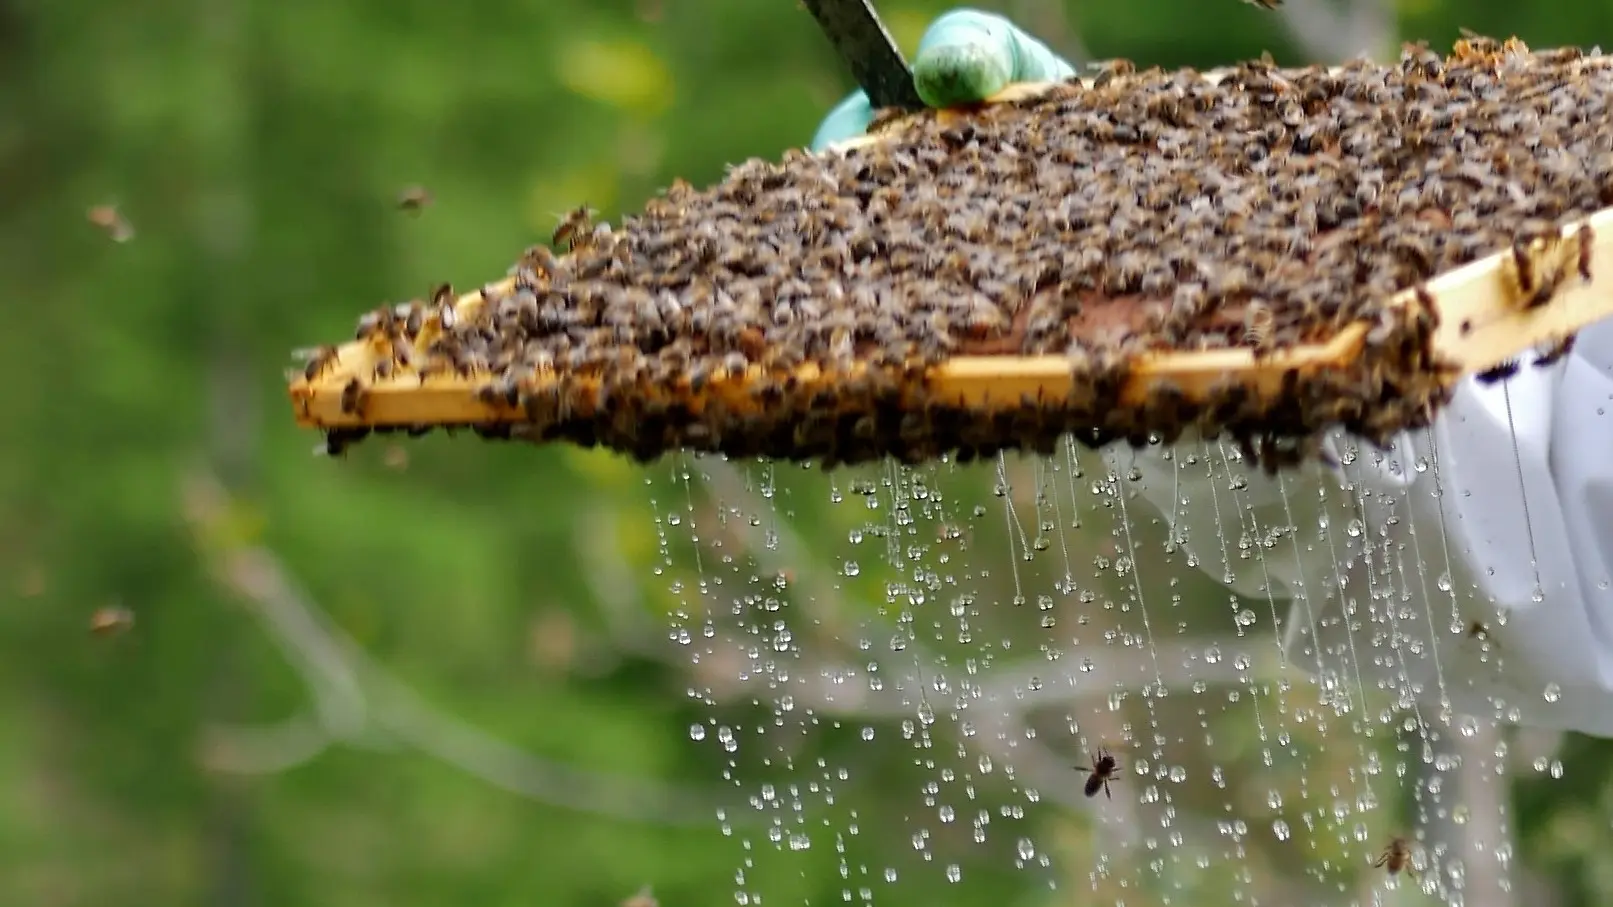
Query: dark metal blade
[(857, 33)]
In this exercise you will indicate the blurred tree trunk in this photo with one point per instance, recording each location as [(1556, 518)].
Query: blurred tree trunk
[(222, 220)]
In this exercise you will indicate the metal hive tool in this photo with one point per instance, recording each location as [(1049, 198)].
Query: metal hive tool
[(1254, 252)]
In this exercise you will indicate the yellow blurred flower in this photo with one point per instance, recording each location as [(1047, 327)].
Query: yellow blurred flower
[(623, 74)]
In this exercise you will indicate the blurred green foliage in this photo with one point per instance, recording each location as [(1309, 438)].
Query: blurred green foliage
[(257, 150)]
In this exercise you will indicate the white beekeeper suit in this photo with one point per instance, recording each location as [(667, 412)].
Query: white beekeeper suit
[(1494, 519), (1471, 565)]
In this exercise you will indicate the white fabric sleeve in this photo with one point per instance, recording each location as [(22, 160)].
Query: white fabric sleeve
[(1498, 517)]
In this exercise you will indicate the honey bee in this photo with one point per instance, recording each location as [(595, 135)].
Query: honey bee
[(111, 620), (1110, 70), (1258, 323), (1104, 770), (353, 397), (318, 358), (574, 229), (1396, 857), (541, 261), (1498, 373), (1554, 351), (414, 199), (112, 221), (735, 364), (1536, 269)]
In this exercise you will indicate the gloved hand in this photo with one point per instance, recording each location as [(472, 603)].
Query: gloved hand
[(964, 57)]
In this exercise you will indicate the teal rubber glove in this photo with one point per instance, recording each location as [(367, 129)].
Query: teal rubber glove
[(965, 57)]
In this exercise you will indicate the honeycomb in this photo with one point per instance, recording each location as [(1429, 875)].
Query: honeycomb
[(970, 281)]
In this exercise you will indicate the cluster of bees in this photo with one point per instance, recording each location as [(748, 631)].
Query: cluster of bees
[(794, 309)]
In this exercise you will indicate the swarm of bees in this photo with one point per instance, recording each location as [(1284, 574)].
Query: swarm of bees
[(1152, 211)]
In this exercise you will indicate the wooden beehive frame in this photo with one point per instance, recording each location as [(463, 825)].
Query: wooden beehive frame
[(1490, 311)]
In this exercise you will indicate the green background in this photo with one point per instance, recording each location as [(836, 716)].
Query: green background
[(485, 620)]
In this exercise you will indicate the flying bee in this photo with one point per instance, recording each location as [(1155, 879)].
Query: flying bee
[(414, 199), (112, 221), (1396, 857), (574, 230), (111, 620), (1104, 770)]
